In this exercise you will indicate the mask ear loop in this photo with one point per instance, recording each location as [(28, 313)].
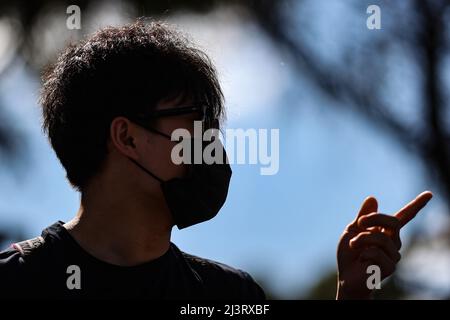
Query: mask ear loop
[(141, 166), (190, 168), (140, 123), (146, 170)]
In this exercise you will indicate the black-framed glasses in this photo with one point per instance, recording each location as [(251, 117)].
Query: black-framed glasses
[(208, 120)]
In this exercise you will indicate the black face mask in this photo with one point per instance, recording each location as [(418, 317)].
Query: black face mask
[(199, 196)]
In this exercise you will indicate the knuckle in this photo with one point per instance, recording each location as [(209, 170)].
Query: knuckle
[(362, 236), (362, 221), (396, 224), (392, 223), (352, 227)]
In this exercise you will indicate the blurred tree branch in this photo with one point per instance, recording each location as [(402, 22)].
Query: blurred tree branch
[(357, 89), (429, 47)]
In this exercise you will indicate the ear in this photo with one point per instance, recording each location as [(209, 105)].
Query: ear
[(123, 136)]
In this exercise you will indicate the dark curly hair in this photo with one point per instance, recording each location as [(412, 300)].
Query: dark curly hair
[(119, 71)]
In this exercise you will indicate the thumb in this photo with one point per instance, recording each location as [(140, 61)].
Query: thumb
[(369, 205)]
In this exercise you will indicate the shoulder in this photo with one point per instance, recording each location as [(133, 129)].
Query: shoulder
[(17, 253), (19, 264), (224, 281), (10, 259)]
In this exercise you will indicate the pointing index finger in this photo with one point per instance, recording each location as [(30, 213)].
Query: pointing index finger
[(408, 212)]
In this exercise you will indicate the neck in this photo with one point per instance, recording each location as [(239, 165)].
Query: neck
[(121, 229)]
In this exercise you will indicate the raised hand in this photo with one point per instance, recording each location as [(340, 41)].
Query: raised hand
[(372, 239)]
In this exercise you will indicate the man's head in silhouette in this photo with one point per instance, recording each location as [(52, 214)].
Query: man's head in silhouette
[(98, 101)]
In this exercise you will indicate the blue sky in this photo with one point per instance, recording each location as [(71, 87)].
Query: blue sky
[(283, 228)]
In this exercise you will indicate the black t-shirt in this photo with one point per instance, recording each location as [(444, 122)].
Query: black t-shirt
[(48, 270)]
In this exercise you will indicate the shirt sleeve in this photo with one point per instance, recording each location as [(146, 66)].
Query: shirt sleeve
[(252, 290), (11, 263)]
